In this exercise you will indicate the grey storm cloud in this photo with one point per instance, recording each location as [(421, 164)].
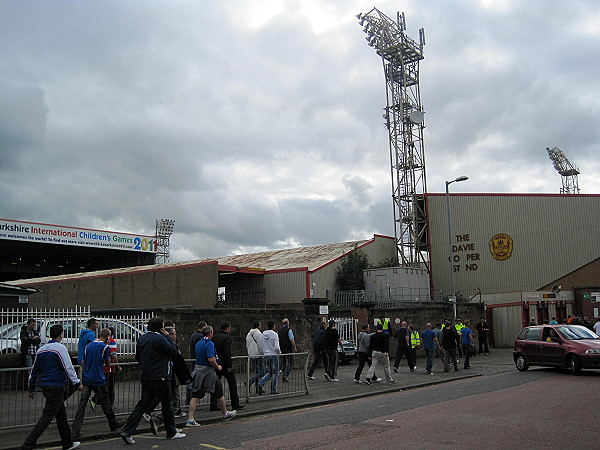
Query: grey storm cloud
[(257, 124)]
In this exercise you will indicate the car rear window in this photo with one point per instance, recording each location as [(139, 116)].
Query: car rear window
[(574, 333), (522, 334), (533, 334)]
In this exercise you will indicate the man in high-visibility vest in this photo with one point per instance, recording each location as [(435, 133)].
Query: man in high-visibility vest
[(415, 342), (385, 323), (458, 326)]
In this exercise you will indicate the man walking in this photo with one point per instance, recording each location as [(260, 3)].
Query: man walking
[(482, 335), (86, 336), (271, 350), (195, 338), (254, 346), (223, 347), (331, 340), (181, 375), (364, 353), (415, 342), (318, 353), (403, 337), (53, 369), (96, 356), (466, 335), (449, 343), (205, 378), (154, 352), (380, 349), (287, 344), (430, 344), (30, 342)]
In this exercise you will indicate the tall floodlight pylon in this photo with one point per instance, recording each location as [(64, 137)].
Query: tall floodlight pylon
[(404, 118), (566, 169), (164, 230)]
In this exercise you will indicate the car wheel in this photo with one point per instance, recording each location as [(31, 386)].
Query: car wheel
[(521, 364), (575, 365)]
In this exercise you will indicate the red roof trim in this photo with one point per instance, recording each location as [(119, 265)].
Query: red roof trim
[(225, 268), (429, 194), (296, 269), (383, 236)]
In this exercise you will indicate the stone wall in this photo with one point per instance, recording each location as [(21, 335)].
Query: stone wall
[(303, 325), (304, 321)]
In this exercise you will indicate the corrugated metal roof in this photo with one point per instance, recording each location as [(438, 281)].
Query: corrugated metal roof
[(108, 272), (311, 257)]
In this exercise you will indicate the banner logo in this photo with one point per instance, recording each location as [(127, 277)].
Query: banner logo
[(501, 246)]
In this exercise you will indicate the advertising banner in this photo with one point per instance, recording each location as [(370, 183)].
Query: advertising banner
[(58, 234)]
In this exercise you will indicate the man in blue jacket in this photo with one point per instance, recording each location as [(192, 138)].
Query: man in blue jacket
[(86, 336), (52, 369), (154, 352), (96, 356)]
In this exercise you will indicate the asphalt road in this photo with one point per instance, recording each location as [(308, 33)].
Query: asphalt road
[(540, 408)]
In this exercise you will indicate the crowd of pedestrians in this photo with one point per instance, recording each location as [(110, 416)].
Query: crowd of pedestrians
[(448, 341), (163, 369)]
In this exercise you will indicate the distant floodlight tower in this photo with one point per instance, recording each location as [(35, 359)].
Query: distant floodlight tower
[(404, 117), (567, 171), (164, 230)]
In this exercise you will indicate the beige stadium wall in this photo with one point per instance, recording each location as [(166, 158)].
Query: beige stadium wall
[(286, 285), (552, 236)]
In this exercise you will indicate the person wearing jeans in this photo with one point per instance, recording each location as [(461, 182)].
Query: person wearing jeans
[(271, 351), (53, 369), (466, 335), (430, 343), (254, 346)]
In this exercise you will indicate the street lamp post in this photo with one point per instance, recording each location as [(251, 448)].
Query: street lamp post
[(451, 251)]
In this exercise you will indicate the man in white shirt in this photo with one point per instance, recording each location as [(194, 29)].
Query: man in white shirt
[(597, 326), (254, 345)]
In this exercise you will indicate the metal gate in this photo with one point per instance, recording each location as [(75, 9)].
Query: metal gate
[(347, 328)]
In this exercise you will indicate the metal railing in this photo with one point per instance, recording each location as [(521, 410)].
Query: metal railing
[(390, 298), (18, 410), (127, 327), (344, 299), (347, 328)]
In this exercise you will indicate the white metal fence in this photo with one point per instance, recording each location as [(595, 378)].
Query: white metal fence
[(347, 328), (127, 327)]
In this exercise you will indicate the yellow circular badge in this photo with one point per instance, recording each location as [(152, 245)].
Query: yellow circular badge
[(501, 246)]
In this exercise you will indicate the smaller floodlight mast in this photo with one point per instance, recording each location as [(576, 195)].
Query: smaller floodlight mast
[(164, 230), (567, 171)]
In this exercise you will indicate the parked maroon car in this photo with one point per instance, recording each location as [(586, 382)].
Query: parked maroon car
[(567, 346)]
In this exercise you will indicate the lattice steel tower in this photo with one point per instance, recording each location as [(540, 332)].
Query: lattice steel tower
[(164, 230), (566, 169), (404, 120)]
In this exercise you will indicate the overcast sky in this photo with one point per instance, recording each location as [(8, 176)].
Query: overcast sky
[(257, 125)]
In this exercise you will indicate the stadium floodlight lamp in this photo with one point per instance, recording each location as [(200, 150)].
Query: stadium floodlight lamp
[(164, 227)]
